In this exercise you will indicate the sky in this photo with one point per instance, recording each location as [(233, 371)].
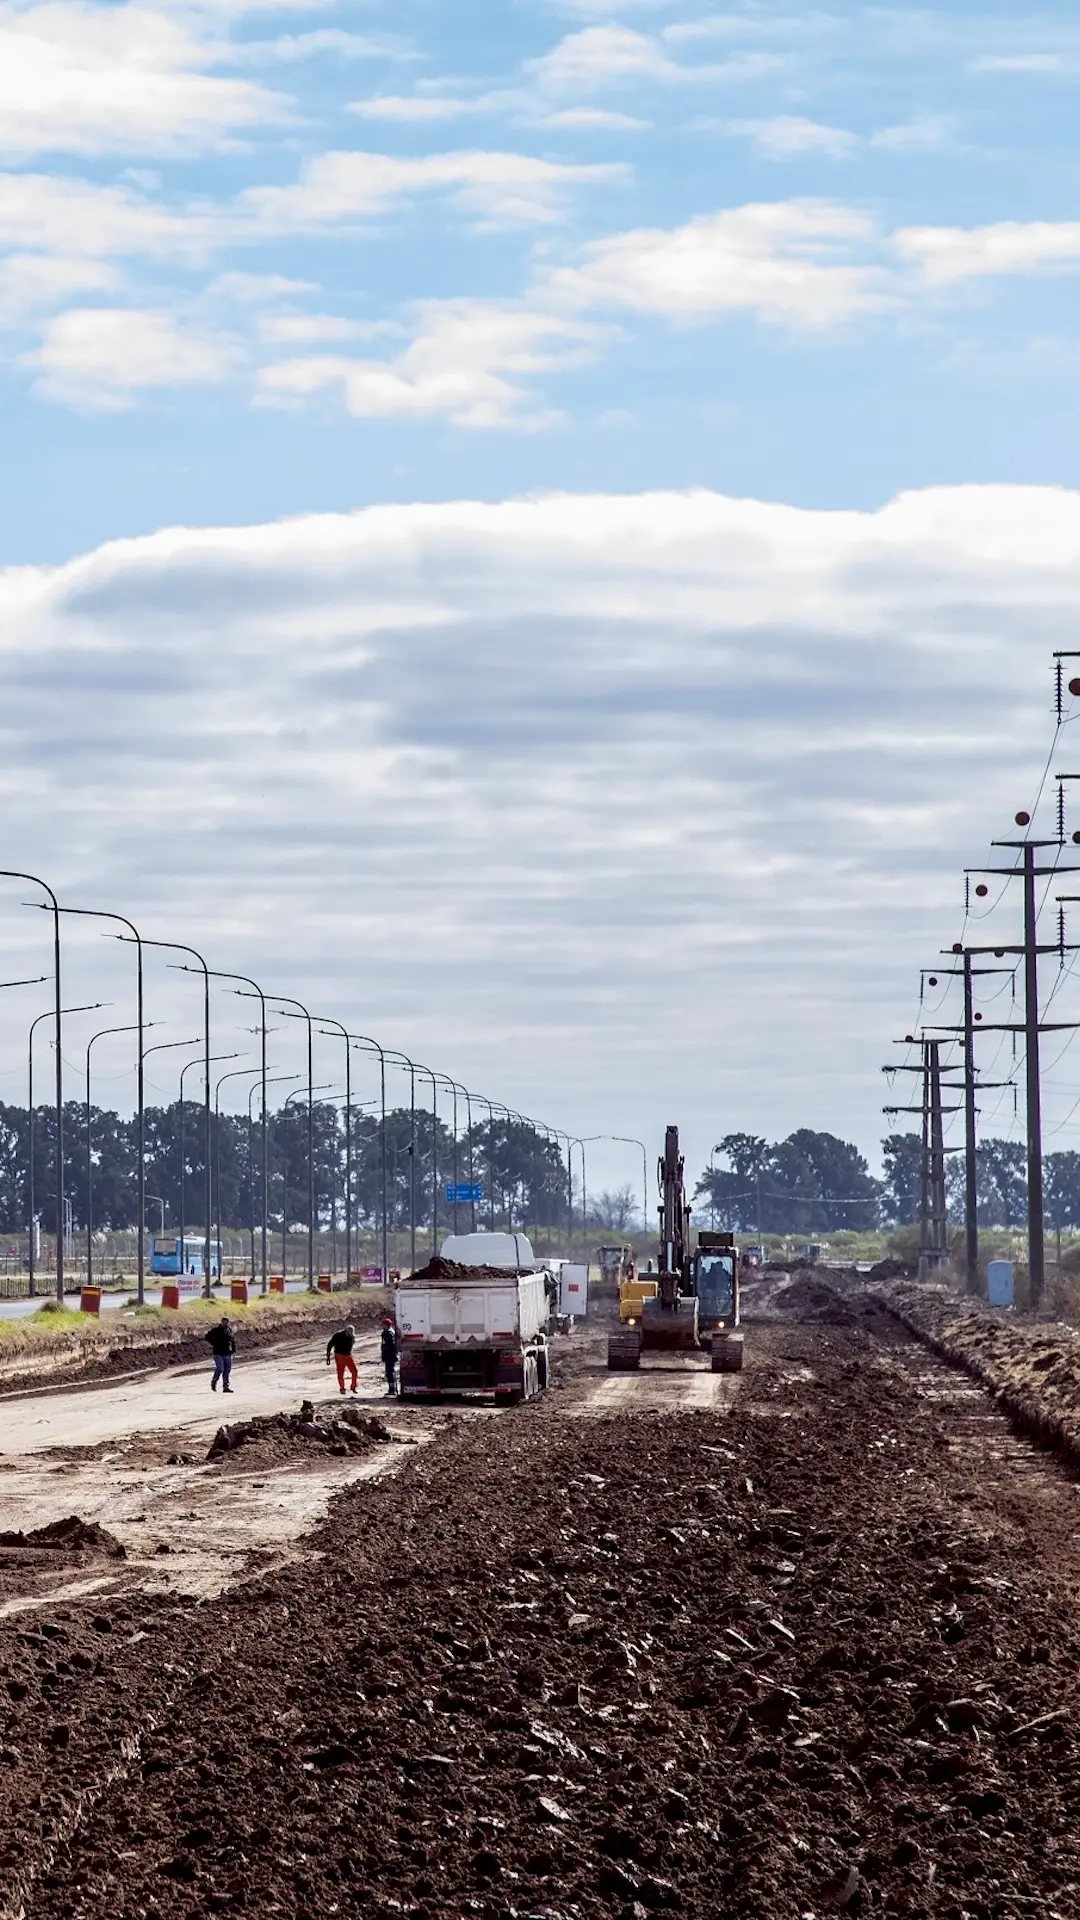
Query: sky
[(541, 527)]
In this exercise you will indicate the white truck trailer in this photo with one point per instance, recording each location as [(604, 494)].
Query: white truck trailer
[(473, 1333)]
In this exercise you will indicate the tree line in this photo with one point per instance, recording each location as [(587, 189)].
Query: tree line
[(813, 1182), (519, 1169)]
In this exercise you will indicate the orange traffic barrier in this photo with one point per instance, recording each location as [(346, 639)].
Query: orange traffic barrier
[(277, 1283), (326, 1283), (90, 1300), (238, 1291), (170, 1296)]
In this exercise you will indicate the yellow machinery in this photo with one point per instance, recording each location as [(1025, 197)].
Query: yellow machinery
[(694, 1300), (633, 1294)]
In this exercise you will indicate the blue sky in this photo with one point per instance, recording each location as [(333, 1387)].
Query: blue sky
[(262, 260), (640, 791)]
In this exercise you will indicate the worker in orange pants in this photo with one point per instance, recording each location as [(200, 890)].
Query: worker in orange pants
[(340, 1345)]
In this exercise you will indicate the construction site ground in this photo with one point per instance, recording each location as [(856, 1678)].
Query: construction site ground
[(800, 1641)]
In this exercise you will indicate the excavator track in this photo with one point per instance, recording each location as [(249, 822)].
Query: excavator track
[(624, 1350)]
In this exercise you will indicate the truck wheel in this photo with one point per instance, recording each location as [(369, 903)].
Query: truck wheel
[(543, 1370)]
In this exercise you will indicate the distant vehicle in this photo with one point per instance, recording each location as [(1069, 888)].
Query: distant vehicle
[(171, 1255), (813, 1252), (751, 1257), (510, 1250)]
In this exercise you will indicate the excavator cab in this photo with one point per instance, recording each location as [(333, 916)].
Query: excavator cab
[(716, 1265)]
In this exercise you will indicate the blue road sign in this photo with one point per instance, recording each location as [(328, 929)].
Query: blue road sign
[(464, 1195)]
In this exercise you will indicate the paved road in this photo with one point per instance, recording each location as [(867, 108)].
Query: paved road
[(179, 1398), (111, 1302)]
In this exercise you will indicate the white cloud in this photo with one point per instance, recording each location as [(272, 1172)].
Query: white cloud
[(418, 108), (469, 740), (494, 187), (788, 136), (599, 56), (29, 281), (100, 357), (927, 134), (946, 255), (785, 261), (49, 214), (586, 117), (79, 78), (288, 328), (1018, 63), (465, 362)]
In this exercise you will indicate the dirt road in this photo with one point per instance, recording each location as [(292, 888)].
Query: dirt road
[(798, 1644)]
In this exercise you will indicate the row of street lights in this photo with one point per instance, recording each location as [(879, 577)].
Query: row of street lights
[(290, 1008)]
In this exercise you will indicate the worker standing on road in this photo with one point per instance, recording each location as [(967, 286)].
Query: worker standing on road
[(389, 1355), (222, 1342), (341, 1345)]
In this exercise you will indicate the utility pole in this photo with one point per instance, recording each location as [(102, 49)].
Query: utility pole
[(971, 1087), (933, 1205), (1029, 872)]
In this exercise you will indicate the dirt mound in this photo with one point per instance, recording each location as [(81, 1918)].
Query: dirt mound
[(439, 1269), (892, 1270), (817, 1301), (68, 1536), (593, 1670), (275, 1439)]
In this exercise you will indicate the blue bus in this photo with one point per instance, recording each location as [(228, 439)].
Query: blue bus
[(165, 1255)]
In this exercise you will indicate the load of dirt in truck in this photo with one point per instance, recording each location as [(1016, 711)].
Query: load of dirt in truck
[(439, 1269)]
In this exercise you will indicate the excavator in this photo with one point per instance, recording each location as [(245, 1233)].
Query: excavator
[(696, 1303)]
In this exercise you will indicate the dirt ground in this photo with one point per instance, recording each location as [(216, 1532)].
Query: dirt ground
[(798, 1642)]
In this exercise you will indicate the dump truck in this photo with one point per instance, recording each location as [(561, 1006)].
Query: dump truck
[(696, 1303), (476, 1329)]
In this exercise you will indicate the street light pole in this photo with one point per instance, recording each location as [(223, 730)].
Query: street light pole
[(275, 1080), (288, 1001), (260, 995), (364, 1040), (92, 1007), (238, 1073), (94, 913), (8, 873), (100, 1035), (207, 1060), (179, 946)]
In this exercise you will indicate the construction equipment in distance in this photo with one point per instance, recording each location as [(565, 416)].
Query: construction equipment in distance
[(616, 1263), (697, 1292)]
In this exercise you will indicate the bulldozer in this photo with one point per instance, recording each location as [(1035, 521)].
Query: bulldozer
[(696, 1303)]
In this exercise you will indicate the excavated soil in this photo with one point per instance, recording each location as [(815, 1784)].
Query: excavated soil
[(808, 1653), (277, 1439), (1032, 1368)]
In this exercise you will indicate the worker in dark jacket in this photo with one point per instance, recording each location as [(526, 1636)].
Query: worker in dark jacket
[(222, 1342), (340, 1345), (389, 1356)]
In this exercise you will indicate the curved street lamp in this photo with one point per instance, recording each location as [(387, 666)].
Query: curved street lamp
[(102, 1034), (10, 873)]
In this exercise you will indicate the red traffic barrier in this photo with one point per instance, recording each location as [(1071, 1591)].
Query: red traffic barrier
[(170, 1296), (277, 1283), (238, 1291), (326, 1283), (90, 1300)]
